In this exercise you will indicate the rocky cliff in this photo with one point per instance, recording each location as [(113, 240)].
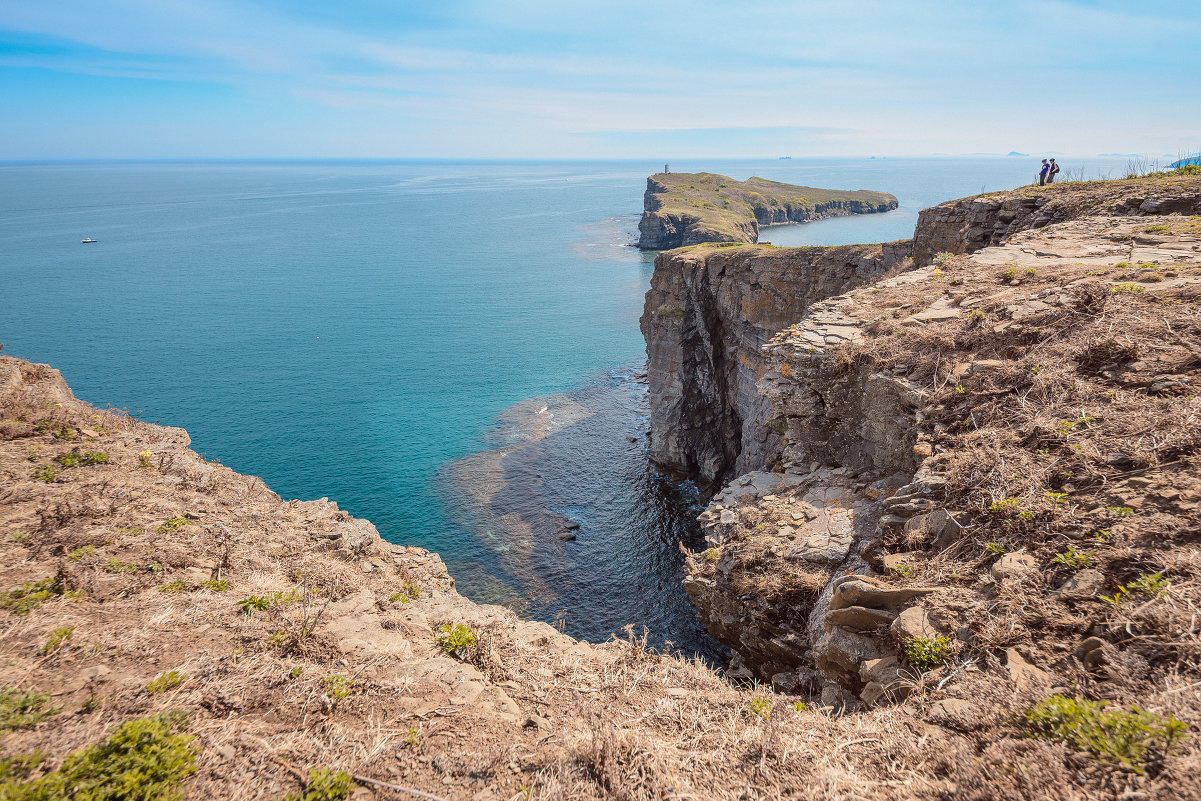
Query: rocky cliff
[(968, 224), (682, 209), (708, 312), (989, 490)]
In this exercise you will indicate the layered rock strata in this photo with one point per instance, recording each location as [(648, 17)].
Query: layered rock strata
[(708, 312)]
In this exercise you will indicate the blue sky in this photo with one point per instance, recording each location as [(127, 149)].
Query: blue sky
[(396, 78)]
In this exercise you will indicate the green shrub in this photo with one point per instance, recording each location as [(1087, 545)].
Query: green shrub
[(95, 457), (337, 686), (903, 570), (79, 553), (117, 566), (1126, 287), (21, 708), (216, 585), (174, 524), (21, 537), (1073, 559), (409, 592), (994, 549), (30, 595), (45, 473), (69, 459), (1010, 274), (712, 555), (172, 587), (1125, 738), (165, 681), (325, 784), (58, 638), (255, 603), (1153, 585), (927, 652), (453, 639), (144, 759)]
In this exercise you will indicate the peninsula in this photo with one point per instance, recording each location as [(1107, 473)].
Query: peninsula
[(688, 208)]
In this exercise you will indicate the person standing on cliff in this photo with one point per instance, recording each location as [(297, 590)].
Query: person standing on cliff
[(1051, 173), (1042, 174)]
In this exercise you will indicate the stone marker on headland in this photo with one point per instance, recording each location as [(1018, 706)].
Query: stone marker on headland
[(690, 208)]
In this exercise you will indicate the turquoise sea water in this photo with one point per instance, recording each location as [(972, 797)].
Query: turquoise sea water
[(355, 330)]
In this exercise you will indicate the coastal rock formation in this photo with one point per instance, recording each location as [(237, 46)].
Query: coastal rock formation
[(967, 472), (971, 223), (682, 209), (708, 312)]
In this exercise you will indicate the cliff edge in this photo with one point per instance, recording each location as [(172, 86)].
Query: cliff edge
[(690, 208)]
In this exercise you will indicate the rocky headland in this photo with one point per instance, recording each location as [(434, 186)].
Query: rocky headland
[(682, 209)]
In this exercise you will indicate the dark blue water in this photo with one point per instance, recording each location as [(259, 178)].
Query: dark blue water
[(354, 330)]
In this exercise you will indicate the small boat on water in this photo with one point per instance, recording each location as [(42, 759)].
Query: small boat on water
[(88, 241)]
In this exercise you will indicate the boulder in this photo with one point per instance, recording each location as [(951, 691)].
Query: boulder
[(872, 593), (956, 713), (858, 618), (913, 622), (1083, 584), (1014, 566), (1025, 676)]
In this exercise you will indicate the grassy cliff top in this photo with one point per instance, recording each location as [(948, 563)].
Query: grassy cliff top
[(725, 204)]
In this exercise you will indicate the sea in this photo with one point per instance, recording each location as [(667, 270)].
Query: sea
[(449, 349)]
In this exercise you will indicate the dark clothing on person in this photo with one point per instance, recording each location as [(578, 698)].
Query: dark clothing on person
[(1051, 173), (1042, 174)]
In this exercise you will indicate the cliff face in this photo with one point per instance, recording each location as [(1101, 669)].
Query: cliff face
[(708, 312), (968, 224), (681, 209), (970, 466)]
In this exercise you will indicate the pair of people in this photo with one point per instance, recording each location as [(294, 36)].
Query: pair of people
[(1047, 174)]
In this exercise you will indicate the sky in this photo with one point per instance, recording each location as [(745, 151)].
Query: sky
[(86, 79)]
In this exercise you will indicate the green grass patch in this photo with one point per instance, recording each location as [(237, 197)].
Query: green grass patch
[(58, 638), (165, 681), (30, 595), (1128, 738)]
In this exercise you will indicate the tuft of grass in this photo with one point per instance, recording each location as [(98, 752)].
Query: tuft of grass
[(325, 784), (117, 566), (712, 555), (165, 681), (456, 638), (172, 587), (58, 638), (1127, 738), (903, 570), (22, 708), (925, 653), (143, 759), (759, 708), (216, 585), (1126, 287), (1153, 585), (144, 458), (45, 473), (20, 537)]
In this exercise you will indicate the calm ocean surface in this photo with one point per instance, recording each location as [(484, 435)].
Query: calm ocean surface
[(369, 332)]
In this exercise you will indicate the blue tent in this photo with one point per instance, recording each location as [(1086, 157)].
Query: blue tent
[(1193, 159)]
